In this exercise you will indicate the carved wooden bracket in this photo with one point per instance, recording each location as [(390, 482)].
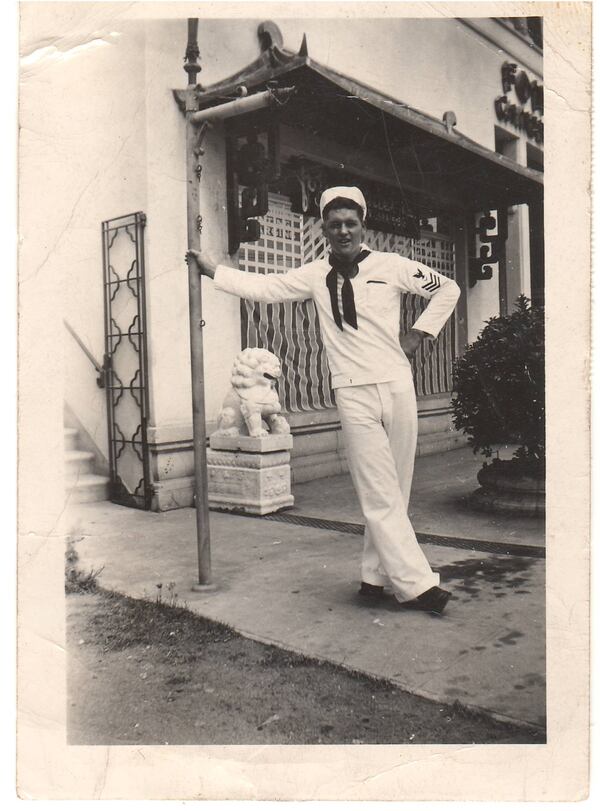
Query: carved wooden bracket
[(492, 248), (250, 168)]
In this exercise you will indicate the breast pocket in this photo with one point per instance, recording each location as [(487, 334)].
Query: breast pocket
[(380, 295)]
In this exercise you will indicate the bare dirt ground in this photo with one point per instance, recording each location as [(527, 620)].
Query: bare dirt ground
[(143, 672)]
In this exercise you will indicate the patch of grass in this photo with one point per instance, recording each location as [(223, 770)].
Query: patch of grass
[(169, 596), (76, 580), (221, 687), (123, 622)]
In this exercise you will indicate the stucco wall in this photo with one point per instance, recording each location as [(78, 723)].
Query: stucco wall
[(483, 304), (83, 151), (166, 242)]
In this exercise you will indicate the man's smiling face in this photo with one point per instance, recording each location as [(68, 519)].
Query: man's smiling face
[(344, 231)]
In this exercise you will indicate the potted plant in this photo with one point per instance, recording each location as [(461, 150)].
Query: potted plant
[(499, 400)]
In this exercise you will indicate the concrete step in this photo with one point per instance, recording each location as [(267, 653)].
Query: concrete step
[(82, 484), (71, 437), (77, 464), (430, 444), (318, 466), (89, 487)]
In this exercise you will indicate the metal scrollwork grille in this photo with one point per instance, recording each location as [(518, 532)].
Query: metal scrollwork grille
[(291, 330), (126, 360)]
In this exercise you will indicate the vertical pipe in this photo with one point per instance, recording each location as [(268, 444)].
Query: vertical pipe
[(536, 250), (192, 52), (233, 197), (108, 358), (196, 325), (140, 219), (502, 220), (461, 257)]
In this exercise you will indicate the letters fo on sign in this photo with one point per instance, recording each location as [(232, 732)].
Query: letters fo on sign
[(519, 94)]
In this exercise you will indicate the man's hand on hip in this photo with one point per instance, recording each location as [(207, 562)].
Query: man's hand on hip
[(201, 261), (411, 341)]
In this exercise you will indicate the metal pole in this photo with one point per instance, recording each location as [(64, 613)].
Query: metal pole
[(244, 105), (196, 123), (194, 225)]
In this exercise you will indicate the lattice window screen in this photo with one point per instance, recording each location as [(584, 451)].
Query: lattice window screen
[(432, 366), (291, 330)]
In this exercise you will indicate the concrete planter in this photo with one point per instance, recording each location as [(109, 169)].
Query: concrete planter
[(509, 486)]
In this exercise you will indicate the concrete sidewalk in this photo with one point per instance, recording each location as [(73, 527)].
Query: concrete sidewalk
[(295, 587)]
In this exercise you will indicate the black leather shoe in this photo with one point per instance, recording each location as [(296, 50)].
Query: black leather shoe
[(433, 600), (370, 594)]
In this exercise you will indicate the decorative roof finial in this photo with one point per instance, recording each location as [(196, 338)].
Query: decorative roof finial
[(449, 119), (269, 35)]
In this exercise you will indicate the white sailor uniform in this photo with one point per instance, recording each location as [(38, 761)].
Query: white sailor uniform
[(374, 391)]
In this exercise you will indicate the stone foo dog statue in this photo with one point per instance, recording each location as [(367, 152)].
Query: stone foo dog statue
[(253, 397)]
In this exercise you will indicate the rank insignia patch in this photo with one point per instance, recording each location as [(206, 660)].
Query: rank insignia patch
[(432, 284)]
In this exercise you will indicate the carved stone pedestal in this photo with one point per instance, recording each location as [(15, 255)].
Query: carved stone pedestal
[(250, 474)]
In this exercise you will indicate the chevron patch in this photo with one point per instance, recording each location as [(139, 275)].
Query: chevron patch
[(433, 283)]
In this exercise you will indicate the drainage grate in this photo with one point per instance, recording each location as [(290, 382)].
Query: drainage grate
[(318, 523), (517, 550)]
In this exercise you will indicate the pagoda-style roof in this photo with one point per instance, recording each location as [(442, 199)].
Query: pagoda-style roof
[(414, 148)]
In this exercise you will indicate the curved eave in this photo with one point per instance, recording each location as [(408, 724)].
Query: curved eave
[(275, 64), (422, 121), (266, 68)]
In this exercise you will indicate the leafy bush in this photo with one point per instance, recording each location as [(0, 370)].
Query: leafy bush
[(499, 385)]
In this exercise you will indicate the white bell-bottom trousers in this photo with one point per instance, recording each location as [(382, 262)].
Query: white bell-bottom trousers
[(379, 424)]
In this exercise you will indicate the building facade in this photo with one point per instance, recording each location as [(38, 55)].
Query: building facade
[(440, 121)]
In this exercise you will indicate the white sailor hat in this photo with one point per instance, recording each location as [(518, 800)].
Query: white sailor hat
[(349, 192)]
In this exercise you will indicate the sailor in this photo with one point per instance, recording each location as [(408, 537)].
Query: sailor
[(357, 293)]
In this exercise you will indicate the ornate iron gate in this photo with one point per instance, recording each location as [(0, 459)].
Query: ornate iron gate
[(126, 360)]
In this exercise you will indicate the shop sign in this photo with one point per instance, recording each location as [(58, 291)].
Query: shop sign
[(387, 210), (521, 103)]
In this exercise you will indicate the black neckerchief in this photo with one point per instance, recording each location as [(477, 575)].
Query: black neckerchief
[(346, 269)]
